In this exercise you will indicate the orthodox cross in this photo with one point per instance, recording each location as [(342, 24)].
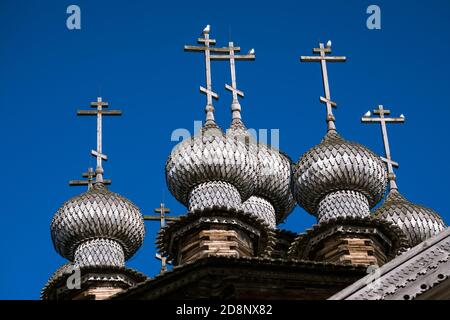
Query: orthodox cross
[(382, 120), (162, 210), (232, 57), (99, 105), (90, 174), (207, 49), (323, 59)]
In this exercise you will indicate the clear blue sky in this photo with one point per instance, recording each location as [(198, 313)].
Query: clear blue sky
[(131, 52)]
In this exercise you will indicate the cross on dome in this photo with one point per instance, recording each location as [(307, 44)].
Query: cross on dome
[(206, 49), (162, 210), (232, 57), (382, 120), (100, 112), (323, 59)]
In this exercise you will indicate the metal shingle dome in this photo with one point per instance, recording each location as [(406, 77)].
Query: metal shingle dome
[(336, 164), (210, 156), (417, 222), (97, 214)]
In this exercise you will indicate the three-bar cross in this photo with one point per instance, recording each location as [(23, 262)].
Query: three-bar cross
[(207, 49), (100, 112), (162, 210), (382, 120), (323, 59), (232, 57)]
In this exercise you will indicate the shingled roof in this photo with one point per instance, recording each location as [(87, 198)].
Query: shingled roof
[(422, 272)]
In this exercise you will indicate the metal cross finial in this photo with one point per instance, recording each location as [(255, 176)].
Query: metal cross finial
[(323, 59), (162, 210), (90, 174), (383, 120), (232, 57), (207, 49), (99, 113)]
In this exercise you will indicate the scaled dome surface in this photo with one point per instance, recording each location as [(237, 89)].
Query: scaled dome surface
[(336, 164), (210, 156), (97, 214), (417, 222)]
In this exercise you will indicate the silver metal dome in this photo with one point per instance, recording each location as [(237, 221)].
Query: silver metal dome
[(336, 164), (210, 156), (417, 222), (97, 214)]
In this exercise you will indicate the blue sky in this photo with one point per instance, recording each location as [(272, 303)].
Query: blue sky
[(131, 52)]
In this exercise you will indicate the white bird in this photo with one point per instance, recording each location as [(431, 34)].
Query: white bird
[(251, 51), (207, 28), (367, 114), (402, 116), (329, 44)]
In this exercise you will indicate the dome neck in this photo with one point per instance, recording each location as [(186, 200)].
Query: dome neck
[(99, 252), (343, 203)]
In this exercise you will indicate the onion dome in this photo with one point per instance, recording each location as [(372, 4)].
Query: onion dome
[(338, 177), (210, 169), (98, 227), (417, 222)]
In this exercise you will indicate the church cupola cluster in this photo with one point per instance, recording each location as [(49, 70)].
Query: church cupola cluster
[(417, 222), (240, 186), (96, 230), (236, 190)]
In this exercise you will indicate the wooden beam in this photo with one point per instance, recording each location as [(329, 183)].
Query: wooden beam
[(247, 57), (378, 120), (100, 103), (324, 100), (85, 182), (319, 50), (212, 49), (319, 59), (102, 112)]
